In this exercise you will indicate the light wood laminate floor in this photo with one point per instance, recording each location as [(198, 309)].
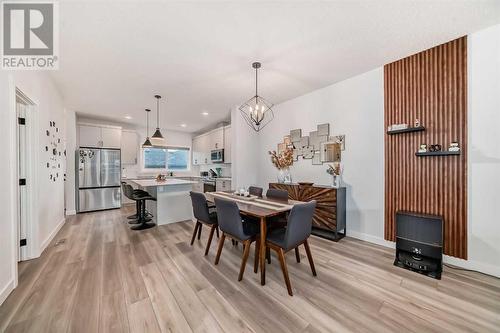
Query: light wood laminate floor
[(104, 277)]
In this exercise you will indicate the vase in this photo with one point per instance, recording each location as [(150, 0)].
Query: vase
[(337, 180), (284, 176)]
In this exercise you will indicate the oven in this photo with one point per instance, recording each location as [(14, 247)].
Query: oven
[(208, 186), (217, 156)]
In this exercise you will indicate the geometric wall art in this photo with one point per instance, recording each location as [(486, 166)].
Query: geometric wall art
[(53, 151), (318, 146)]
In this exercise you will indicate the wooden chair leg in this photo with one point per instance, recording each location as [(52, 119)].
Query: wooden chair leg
[(217, 229), (199, 231), (309, 257), (281, 255), (212, 229), (246, 252), (268, 255), (297, 254), (195, 231), (256, 259), (219, 248)]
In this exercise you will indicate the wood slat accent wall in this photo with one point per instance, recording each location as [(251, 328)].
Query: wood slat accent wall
[(430, 86)]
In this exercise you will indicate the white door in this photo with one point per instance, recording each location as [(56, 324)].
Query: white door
[(22, 176)]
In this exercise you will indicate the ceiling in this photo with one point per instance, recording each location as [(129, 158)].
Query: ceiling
[(114, 56)]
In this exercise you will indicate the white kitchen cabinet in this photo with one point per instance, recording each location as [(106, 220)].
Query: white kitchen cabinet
[(111, 137), (216, 139), (196, 151), (227, 144), (129, 147), (213, 140), (90, 136), (222, 185), (95, 136)]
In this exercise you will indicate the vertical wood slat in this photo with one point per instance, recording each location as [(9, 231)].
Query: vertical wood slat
[(430, 86)]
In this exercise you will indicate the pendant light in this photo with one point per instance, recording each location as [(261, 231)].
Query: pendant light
[(147, 143), (257, 111), (157, 139)]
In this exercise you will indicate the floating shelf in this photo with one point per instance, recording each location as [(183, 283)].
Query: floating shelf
[(407, 130), (438, 153)]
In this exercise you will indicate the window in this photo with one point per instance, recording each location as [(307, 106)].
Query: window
[(171, 158)]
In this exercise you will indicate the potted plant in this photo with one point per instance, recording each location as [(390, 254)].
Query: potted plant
[(283, 161)]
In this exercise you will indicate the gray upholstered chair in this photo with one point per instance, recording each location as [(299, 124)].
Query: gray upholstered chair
[(254, 190), (232, 226), (203, 216), (277, 194), (296, 233)]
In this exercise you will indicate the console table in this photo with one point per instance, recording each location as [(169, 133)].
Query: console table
[(329, 219)]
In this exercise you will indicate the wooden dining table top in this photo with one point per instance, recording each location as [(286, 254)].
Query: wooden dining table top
[(257, 207)]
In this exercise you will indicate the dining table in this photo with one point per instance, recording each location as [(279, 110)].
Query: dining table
[(261, 208)]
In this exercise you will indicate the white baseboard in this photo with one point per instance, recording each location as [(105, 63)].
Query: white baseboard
[(6, 291), (49, 239), (467, 264), (70, 212)]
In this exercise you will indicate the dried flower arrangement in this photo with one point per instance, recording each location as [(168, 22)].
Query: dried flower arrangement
[(334, 169), (282, 160)]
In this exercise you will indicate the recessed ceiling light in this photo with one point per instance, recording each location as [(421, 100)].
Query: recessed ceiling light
[(205, 113), (128, 117), (183, 125)]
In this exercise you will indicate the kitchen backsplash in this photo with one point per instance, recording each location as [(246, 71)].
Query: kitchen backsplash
[(132, 171)]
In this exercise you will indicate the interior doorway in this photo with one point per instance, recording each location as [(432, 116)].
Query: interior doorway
[(25, 175)]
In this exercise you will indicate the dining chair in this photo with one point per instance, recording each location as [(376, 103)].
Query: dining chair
[(277, 194), (296, 233), (203, 216), (254, 190), (232, 226)]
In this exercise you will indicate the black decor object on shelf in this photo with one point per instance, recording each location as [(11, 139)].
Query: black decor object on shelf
[(437, 153), (406, 130)]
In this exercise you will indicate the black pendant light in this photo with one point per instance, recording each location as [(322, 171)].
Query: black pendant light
[(257, 111), (157, 139), (147, 143)]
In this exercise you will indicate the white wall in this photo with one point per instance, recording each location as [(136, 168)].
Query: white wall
[(69, 190), (354, 107), (49, 214), (244, 152), (484, 149)]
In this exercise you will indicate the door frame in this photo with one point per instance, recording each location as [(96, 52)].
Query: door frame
[(32, 144)]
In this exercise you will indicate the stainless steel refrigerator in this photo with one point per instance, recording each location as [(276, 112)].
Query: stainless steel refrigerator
[(99, 179)]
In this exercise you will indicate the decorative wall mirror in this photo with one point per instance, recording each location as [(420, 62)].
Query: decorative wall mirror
[(331, 151)]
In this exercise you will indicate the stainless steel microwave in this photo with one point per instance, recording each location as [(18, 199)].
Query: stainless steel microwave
[(217, 156)]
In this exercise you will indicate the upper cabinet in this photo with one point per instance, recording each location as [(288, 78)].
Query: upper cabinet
[(129, 146), (94, 136), (216, 139), (203, 145)]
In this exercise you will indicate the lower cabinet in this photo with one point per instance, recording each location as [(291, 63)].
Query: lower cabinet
[(222, 185)]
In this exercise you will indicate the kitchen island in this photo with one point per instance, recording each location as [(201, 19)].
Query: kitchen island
[(172, 204)]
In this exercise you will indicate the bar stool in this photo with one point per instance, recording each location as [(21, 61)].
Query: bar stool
[(132, 194)]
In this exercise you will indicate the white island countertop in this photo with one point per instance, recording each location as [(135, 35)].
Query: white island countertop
[(155, 183)]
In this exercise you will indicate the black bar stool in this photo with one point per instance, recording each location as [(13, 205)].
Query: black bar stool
[(144, 221)]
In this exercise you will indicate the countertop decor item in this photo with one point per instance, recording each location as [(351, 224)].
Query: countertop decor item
[(157, 139), (282, 162), (147, 143), (257, 112), (335, 170)]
